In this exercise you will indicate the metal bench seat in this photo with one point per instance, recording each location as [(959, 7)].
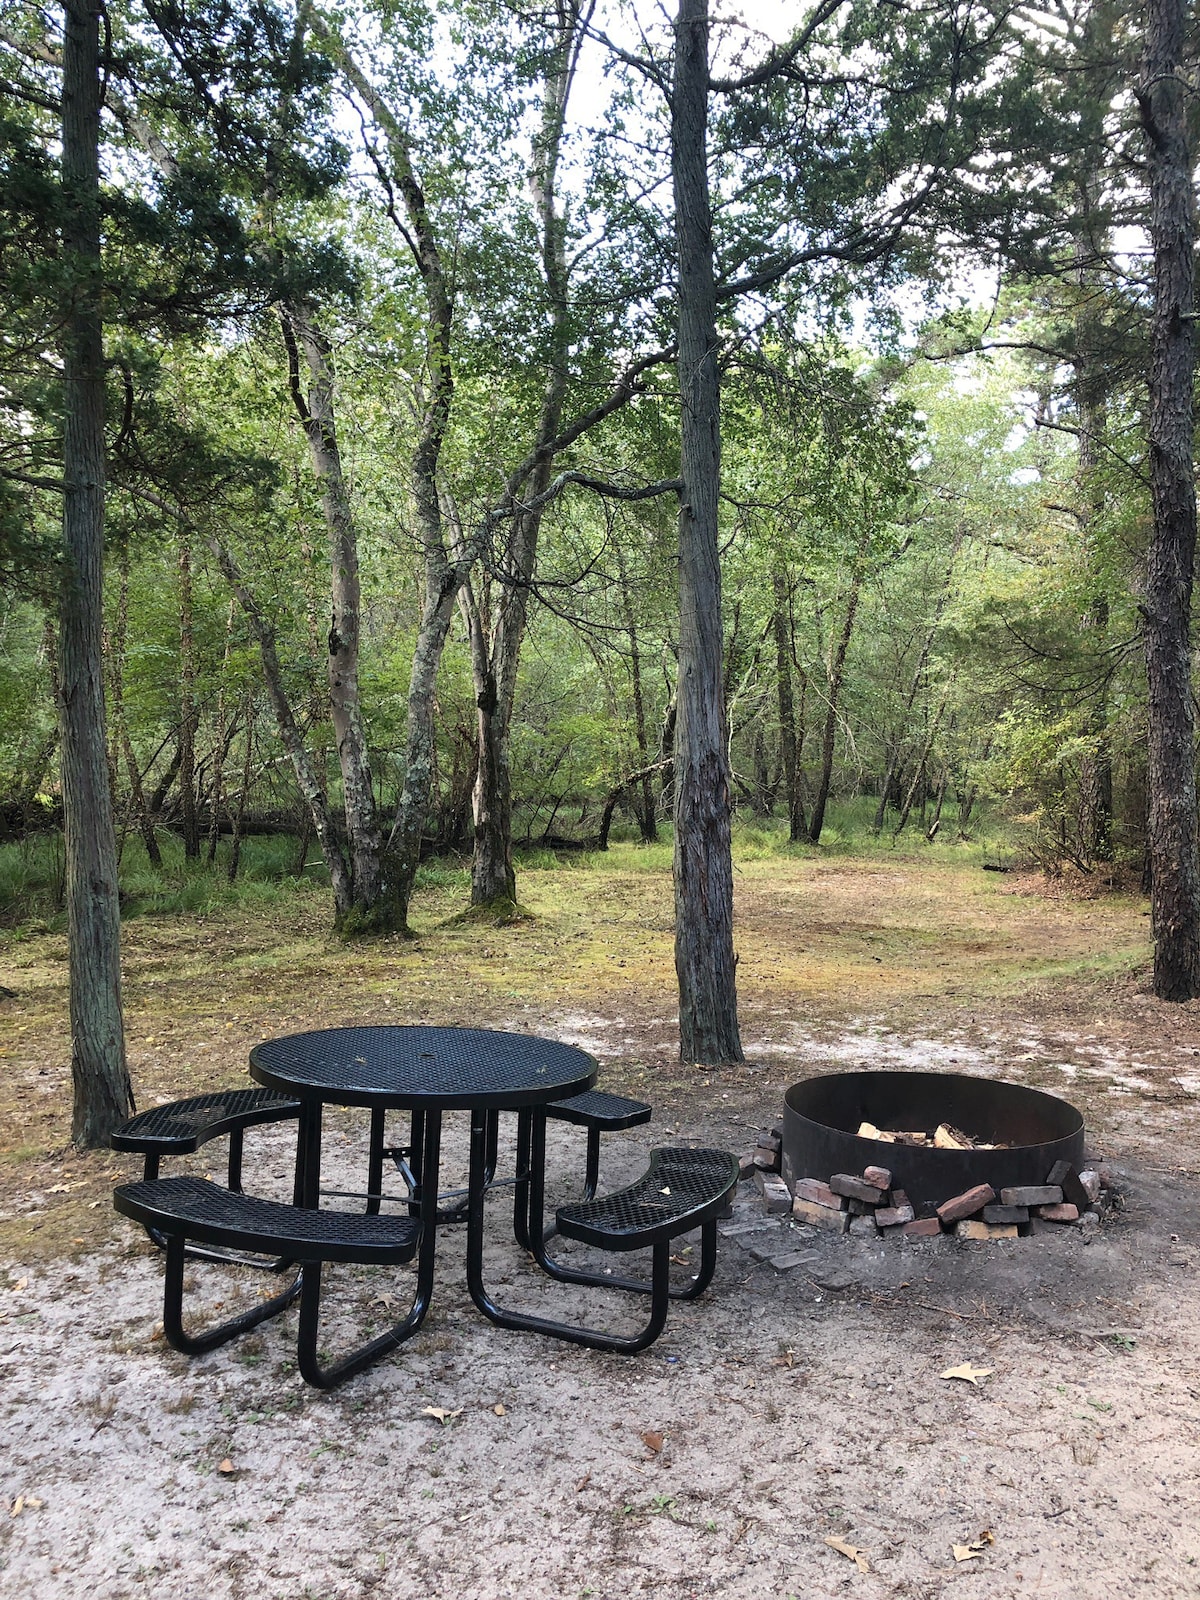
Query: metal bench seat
[(179, 1209), (182, 1126), (599, 1113), (682, 1189)]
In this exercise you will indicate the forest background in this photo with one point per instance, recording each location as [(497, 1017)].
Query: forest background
[(388, 309)]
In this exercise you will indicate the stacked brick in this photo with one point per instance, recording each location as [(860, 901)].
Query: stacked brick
[(867, 1205)]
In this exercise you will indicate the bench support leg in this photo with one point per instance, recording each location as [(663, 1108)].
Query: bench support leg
[(593, 1338), (322, 1377), (196, 1344)]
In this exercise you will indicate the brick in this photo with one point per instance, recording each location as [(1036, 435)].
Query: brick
[(861, 1208), (1066, 1212), (893, 1216), (863, 1228), (770, 1141), (746, 1167), (879, 1176), (855, 1188), (819, 1193), (1090, 1182), (974, 1229), (967, 1203), (820, 1216), (923, 1228), (1064, 1175), (1032, 1194), (776, 1194), (1002, 1216), (899, 1198)]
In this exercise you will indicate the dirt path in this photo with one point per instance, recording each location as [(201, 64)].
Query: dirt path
[(791, 1408)]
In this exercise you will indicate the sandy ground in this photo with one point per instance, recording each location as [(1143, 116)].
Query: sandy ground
[(777, 1412)]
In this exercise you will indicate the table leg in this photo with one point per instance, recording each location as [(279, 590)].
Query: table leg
[(308, 1155)]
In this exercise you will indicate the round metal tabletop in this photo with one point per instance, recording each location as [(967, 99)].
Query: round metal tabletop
[(447, 1069)]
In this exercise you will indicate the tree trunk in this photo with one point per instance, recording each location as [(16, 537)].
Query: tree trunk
[(187, 704), (239, 815), (103, 1095), (837, 674), (219, 747), (371, 907), (647, 823), (122, 743), (787, 703), (704, 958), (1175, 870)]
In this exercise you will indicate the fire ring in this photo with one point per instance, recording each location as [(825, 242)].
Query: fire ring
[(821, 1117)]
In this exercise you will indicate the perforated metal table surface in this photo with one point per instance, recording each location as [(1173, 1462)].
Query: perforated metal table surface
[(422, 1069)]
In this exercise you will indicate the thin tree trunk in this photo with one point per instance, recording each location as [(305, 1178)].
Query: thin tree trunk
[(704, 957), (787, 702), (239, 815), (218, 792), (493, 878), (646, 818), (187, 704), (836, 677), (1175, 870), (103, 1095), (302, 335)]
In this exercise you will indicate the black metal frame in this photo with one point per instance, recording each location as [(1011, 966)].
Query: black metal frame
[(307, 1284)]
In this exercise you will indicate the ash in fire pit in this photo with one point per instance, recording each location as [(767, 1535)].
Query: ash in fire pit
[(855, 1143)]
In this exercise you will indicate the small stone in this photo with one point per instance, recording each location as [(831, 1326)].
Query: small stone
[(1064, 1175), (777, 1197), (1032, 1194), (820, 1216), (1090, 1182), (974, 1229), (1002, 1216), (923, 1228), (1108, 1178), (1065, 1212), (784, 1261), (855, 1188), (1088, 1219), (879, 1176), (894, 1216), (833, 1278), (863, 1228), (819, 1193), (967, 1203)]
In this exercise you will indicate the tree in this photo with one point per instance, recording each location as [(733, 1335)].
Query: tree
[(1162, 97), (103, 1094)]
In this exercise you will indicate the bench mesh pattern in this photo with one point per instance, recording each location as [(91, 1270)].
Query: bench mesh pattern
[(681, 1189), (204, 1210), (594, 1107), (184, 1123)]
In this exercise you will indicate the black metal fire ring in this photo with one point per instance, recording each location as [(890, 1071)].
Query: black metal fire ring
[(821, 1117)]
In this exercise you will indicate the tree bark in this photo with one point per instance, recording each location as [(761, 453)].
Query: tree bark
[(787, 704), (836, 677), (187, 704), (103, 1095), (371, 906), (647, 821), (704, 956), (1175, 871), (122, 743)]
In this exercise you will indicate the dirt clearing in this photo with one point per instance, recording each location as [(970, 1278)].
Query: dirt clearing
[(778, 1413)]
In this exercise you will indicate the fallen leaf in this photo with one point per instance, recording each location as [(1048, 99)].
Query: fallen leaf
[(968, 1373), (442, 1415), (973, 1551), (387, 1301), (583, 1483), (664, 1191), (653, 1440), (500, 1411), (21, 1283), (226, 1466), (851, 1552)]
